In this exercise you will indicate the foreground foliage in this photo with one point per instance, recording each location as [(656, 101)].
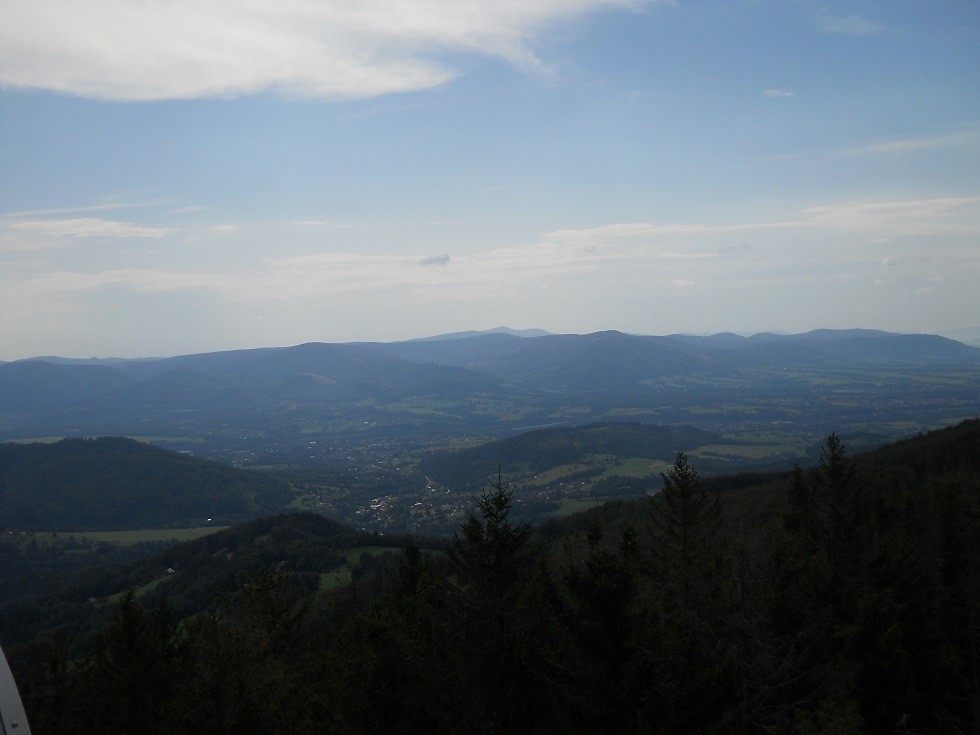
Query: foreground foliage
[(857, 610)]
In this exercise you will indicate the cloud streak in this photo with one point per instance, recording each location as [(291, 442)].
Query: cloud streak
[(918, 216), (852, 25), (820, 243), (333, 49), (90, 227), (910, 145)]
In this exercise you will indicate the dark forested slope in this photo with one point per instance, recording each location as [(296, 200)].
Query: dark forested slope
[(113, 483), (849, 604)]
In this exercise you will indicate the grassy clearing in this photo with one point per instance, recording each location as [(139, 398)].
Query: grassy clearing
[(354, 555), (763, 438), (570, 412), (113, 599), (570, 506), (744, 451), (124, 538), (555, 474), (726, 410), (635, 467), (341, 576), (631, 412), (168, 439), (423, 406), (333, 580)]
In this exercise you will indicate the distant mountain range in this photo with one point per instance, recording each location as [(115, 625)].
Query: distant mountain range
[(484, 381), (477, 333)]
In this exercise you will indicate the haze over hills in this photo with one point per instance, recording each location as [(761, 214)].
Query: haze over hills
[(497, 382), (478, 332), (967, 335)]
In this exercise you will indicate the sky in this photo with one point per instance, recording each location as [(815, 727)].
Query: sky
[(183, 176)]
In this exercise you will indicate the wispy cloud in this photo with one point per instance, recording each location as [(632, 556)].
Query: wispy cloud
[(851, 25), (168, 49), (90, 227), (906, 217), (147, 281), (323, 223), (884, 217), (776, 93), (969, 139), (106, 206), (826, 244)]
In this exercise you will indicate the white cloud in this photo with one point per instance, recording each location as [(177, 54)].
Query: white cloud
[(773, 93), (167, 49), (90, 227), (682, 283), (906, 217)]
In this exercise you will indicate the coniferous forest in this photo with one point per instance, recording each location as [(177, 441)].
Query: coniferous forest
[(854, 608)]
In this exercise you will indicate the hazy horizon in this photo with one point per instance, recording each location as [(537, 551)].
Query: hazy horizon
[(969, 336), (185, 177)]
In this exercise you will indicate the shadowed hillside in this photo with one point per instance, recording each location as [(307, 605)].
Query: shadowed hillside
[(113, 483)]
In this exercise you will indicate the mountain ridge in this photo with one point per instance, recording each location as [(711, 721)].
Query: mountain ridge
[(489, 383)]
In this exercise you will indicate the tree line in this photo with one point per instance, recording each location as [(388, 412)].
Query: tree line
[(856, 611)]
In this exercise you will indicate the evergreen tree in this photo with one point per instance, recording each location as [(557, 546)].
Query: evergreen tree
[(840, 498), (819, 568), (503, 613), (685, 522), (251, 660), (129, 681), (489, 553), (694, 670), (605, 619)]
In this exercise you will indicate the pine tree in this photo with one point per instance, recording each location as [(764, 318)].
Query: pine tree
[(501, 618), (604, 620), (685, 523), (694, 673)]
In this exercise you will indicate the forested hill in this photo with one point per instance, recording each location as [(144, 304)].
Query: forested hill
[(887, 475), (113, 483), (190, 576), (848, 606)]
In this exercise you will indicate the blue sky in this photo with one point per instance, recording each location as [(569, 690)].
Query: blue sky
[(194, 176)]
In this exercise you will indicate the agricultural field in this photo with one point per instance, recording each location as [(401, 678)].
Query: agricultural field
[(340, 576)]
